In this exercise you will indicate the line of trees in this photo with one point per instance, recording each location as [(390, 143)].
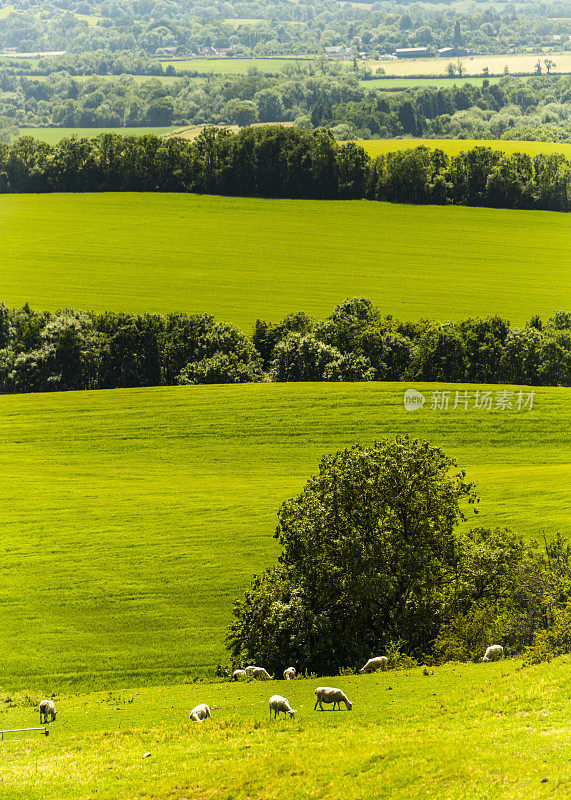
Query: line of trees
[(513, 108), (71, 349), (273, 161)]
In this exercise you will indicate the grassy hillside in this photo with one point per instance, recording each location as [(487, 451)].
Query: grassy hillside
[(468, 731), (376, 147), (246, 258), (131, 519)]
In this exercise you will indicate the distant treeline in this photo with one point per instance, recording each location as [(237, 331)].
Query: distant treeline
[(273, 161), (304, 94), (71, 349)]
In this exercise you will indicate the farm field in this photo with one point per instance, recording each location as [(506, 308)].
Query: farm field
[(166, 79), (131, 519), (54, 135), (422, 83), (473, 65), (376, 147), (247, 258), (233, 66), (462, 731)]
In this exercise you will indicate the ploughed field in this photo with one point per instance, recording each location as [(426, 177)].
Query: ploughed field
[(247, 258), (131, 519), (463, 731)]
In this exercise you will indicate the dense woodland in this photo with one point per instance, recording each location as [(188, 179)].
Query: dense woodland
[(278, 26), (536, 109), (273, 161), (71, 349)]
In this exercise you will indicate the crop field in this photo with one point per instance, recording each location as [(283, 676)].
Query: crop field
[(376, 147), (247, 258), (461, 732), (54, 135), (473, 65), (131, 519)]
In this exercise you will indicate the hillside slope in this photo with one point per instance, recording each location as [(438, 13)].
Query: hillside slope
[(244, 258), (131, 519)]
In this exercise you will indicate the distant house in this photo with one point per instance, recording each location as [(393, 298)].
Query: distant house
[(452, 52), (216, 51), (412, 52), (340, 51)]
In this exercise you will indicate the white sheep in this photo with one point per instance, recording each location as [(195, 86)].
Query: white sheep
[(260, 674), (289, 674), (279, 703), (47, 709), (250, 670), (200, 713), (373, 664), (495, 652), (239, 675), (326, 694)]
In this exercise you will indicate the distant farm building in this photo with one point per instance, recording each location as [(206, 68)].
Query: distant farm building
[(340, 51), (452, 52), (412, 52)]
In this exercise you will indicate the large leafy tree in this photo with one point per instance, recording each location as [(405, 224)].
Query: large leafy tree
[(369, 547)]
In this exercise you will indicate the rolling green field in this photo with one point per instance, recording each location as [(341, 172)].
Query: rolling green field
[(243, 259), (131, 519), (452, 147), (53, 135), (459, 733)]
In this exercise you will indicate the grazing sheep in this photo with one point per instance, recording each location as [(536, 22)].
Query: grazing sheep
[(239, 675), (250, 670), (200, 713), (373, 664), (325, 694), (289, 674), (260, 674), (47, 709), (495, 652), (278, 703)]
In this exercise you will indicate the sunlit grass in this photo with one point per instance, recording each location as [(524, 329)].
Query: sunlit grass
[(246, 258), (131, 519), (452, 147), (464, 731)]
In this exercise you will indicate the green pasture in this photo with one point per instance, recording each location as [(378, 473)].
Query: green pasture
[(422, 83), (460, 732), (233, 66), (247, 258), (377, 147), (131, 519), (53, 135)]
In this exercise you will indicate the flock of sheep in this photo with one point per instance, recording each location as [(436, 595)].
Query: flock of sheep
[(278, 704), (323, 694)]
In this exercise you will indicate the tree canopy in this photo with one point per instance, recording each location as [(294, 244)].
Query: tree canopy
[(368, 547)]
